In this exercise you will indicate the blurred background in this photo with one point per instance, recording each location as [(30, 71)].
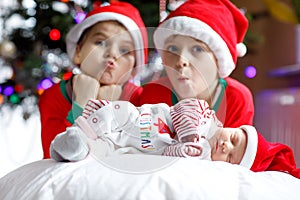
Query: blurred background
[(33, 58)]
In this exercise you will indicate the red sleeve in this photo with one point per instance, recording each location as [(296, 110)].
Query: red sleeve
[(132, 93), (54, 109), (239, 104)]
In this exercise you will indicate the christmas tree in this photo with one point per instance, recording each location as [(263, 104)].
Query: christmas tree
[(32, 44)]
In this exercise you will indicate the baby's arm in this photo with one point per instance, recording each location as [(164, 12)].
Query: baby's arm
[(189, 149), (70, 145), (200, 149), (76, 142)]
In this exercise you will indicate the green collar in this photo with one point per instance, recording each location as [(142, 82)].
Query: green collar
[(63, 89)]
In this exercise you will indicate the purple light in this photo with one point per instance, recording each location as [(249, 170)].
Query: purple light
[(250, 72), (8, 90), (0, 89), (79, 17), (46, 83)]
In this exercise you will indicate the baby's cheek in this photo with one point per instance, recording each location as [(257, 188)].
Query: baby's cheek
[(217, 156)]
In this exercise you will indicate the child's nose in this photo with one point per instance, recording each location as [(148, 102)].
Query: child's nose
[(182, 61), (226, 147), (111, 52)]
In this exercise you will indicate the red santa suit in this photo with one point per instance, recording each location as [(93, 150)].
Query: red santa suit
[(233, 102)]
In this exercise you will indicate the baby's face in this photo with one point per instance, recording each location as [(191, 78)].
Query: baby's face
[(190, 66), (228, 144), (106, 53)]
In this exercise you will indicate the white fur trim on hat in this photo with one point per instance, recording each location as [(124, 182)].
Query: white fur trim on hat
[(76, 31), (197, 29), (251, 149), (241, 49)]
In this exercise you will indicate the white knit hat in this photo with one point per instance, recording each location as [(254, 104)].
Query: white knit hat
[(251, 148)]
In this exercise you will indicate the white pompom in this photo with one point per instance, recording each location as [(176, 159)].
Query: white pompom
[(241, 49)]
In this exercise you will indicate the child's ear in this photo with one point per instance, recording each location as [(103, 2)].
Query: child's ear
[(76, 58)]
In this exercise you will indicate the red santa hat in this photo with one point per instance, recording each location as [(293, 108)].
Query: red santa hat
[(261, 155), (218, 23), (121, 12)]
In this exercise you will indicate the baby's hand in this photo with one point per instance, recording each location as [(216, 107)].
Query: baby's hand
[(192, 150), (85, 87), (110, 92), (190, 138)]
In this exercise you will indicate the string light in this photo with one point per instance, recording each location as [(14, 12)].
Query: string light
[(54, 34), (250, 71), (79, 17), (14, 98), (45, 83), (67, 75), (8, 90), (1, 99)]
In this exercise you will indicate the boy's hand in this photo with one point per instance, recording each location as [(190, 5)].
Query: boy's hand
[(110, 92), (85, 88)]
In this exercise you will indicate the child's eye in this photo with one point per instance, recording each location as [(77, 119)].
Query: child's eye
[(197, 49), (172, 48), (101, 43), (124, 50)]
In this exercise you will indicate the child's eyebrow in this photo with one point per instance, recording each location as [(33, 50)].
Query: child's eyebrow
[(100, 34), (107, 36)]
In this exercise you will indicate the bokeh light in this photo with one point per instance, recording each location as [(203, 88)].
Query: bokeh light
[(14, 98), (19, 88), (8, 90), (67, 75), (45, 83), (54, 34), (79, 17), (250, 72)]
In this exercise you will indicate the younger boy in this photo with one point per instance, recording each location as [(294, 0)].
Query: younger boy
[(109, 46)]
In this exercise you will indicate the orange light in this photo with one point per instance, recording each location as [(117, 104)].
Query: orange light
[(40, 91), (1, 99)]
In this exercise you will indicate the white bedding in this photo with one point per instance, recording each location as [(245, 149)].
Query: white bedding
[(145, 177)]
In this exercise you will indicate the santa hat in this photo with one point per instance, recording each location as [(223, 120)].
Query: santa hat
[(261, 155), (121, 12), (218, 23)]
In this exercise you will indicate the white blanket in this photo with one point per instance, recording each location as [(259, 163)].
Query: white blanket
[(145, 177)]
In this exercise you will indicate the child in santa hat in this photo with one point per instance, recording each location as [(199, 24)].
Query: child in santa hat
[(109, 46), (199, 43), (106, 128)]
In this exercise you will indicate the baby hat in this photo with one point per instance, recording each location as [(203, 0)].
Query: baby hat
[(261, 155), (121, 12), (218, 23)]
